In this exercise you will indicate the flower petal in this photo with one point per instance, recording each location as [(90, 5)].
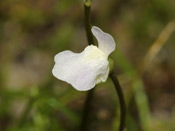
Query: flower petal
[(105, 41), (82, 70)]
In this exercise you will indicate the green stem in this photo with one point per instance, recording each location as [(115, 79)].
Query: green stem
[(86, 110), (88, 26), (88, 101), (121, 100)]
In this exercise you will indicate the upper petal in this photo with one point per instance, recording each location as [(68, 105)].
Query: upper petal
[(105, 41), (82, 70)]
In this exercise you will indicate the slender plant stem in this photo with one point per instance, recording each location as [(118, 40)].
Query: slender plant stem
[(121, 100), (87, 22), (86, 110), (88, 101)]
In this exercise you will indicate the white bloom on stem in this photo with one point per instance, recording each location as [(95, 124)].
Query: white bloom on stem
[(86, 69)]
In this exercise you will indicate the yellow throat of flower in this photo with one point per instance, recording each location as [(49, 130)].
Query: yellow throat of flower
[(94, 53)]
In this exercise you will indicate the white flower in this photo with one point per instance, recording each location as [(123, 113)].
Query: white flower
[(86, 69)]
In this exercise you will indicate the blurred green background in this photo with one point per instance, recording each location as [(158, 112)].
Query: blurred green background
[(32, 32)]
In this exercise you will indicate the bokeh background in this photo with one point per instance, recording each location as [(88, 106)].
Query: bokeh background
[(32, 32)]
